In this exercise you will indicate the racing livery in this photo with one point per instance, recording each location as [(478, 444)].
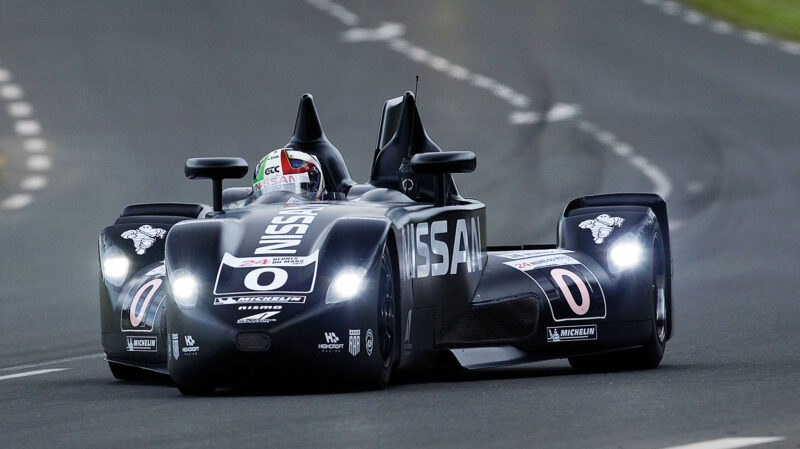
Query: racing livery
[(366, 279)]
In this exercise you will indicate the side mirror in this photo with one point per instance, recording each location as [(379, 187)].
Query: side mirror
[(216, 169), (443, 163)]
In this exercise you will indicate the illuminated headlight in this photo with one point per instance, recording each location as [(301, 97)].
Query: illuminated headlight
[(115, 269), (625, 253), (345, 286), (184, 289)]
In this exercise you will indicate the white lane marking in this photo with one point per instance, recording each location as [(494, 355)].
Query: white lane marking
[(722, 27), (729, 443), (39, 163), (662, 185), (19, 109), (559, 111), (16, 201), (32, 373), (53, 362), (34, 145), (11, 92), (757, 38), (33, 183), (386, 30), (695, 187), (693, 17), (27, 128), (790, 47), (338, 11), (391, 34)]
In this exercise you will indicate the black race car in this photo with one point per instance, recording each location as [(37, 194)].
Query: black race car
[(393, 274)]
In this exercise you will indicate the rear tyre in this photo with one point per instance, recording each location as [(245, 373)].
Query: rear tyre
[(388, 319), (648, 356)]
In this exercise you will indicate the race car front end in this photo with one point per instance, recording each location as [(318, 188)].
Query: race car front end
[(240, 318)]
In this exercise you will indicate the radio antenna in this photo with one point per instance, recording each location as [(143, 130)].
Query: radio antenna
[(416, 85)]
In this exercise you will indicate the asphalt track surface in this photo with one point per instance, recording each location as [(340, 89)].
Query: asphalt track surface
[(126, 92)]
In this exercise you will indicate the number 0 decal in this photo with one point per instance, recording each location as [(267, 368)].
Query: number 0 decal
[(558, 276), (152, 287)]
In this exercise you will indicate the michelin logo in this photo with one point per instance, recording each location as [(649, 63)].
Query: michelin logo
[(144, 237), (571, 333), (602, 226)]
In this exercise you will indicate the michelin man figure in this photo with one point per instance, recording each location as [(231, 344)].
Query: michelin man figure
[(144, 237), (602, 226)]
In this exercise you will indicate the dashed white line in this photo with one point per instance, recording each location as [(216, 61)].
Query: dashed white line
[(11, 92), (723, 27), (694, 17), (661, 182), (34, 145), (755, 37), (33, 183), (27, 127), (392, 33), (17, 201), (32, 373), (386, 30), (729, 443), (29, 130), (39, 163), (19, 109)]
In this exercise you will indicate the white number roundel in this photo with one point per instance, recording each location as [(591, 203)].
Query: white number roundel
[(558, 275), (279, 277)]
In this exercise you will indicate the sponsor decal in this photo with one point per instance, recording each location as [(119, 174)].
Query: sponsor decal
[(571, 333), (539, 261), (143, 344), (259, 300), (280, 274), (573, 292), (191, 347), (602, 226), (443, 247), (144, 237), (530, 253), (143, 300), (355, 342), (286, 229), (175, 342), (265, 317), (331, 343), (260, 307), (368, 342)]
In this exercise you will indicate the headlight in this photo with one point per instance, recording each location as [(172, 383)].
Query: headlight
[(184, 289), (115, 269), (625, 253), (345, 286)]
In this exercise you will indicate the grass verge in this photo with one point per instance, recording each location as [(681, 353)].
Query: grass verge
[(777, 17)]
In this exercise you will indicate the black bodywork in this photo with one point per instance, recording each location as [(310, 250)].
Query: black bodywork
[(261, 274)]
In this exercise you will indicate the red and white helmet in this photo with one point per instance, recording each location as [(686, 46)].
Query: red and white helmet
[(289, 171)]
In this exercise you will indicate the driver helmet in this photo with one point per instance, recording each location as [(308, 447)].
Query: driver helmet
[(289, 171)]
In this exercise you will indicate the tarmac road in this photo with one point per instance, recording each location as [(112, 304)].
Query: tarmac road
[(612, 96)]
